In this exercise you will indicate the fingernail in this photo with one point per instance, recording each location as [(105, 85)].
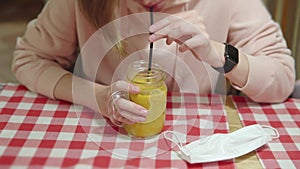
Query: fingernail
[(152, 28), (152, 38), (140, 119), (135, 89), (144, 112)]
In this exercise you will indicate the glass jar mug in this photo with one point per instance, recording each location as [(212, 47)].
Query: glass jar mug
[(152, 96)]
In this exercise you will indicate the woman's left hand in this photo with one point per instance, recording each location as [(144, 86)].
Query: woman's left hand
[(188, 30)]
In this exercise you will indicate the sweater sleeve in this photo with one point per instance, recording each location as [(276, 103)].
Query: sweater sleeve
[(47, 49), (271, 75)]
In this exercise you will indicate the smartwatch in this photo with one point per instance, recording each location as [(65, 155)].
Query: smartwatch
[(231, 55)]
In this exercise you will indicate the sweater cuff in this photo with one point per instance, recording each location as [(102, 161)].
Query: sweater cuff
[(49, 79), (253, 86)]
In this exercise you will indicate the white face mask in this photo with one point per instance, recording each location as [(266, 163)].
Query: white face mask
[(219, 147)]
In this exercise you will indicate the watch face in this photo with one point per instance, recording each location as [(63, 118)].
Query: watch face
[(231, 59), (232, 54)]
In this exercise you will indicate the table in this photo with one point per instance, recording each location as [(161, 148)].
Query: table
[(39, 132), (250, 160), (285, 117)]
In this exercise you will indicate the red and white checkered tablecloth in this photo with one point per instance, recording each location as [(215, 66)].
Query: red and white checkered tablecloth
[(37, 132), (285, 117)]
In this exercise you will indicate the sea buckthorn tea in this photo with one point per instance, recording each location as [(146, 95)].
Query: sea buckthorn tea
[(152, 96)]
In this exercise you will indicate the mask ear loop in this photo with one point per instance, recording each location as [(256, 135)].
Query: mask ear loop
[(277, 135), (176, 142)]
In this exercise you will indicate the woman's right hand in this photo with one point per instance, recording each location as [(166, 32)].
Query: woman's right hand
[(114, 104)]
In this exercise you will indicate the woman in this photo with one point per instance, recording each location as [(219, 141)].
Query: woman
[(259, 63)]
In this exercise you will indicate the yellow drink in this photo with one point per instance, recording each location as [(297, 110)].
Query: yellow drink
[(153, 97)]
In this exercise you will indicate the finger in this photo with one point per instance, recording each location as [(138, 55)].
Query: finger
[(132, 117), (125, 86), (181, 38), (156, 37), (162, 23), (116, 122), (199, 41), (126, 117), (118, 119), (202, 48), (162, 33), (178, 36), (183, 47), (169, 41), (178, 30), (133, 108)]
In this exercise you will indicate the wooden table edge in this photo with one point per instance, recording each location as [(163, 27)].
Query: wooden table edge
[(249, 160)]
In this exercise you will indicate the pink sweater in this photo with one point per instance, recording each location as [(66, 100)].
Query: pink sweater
[(48, 48)]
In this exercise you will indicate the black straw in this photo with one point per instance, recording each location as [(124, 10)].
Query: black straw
[(151, 43)]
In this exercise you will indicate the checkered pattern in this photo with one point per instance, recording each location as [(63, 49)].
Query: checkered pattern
[(39, 132), (285, 117)]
